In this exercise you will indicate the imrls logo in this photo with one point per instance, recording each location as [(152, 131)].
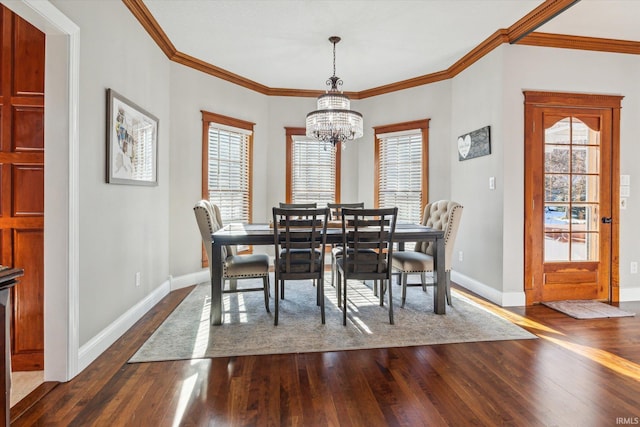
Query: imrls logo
[(627, 420)]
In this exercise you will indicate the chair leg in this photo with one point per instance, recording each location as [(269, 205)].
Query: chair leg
[(282, 289), (344, 301), (265, 283), (448, 286), (390, 303), (339, 287), (404, 288), (276, 301), (321, 295), (375, 288), (423, 280)]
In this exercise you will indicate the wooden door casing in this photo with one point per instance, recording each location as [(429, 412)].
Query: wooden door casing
[(593, 279), (22, 182)]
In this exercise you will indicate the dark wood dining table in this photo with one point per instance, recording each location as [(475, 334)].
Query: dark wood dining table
[(262, 234)]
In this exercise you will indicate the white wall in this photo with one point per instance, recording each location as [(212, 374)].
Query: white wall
[(122, 229), (476, 103), (191, 92), (432, 102)]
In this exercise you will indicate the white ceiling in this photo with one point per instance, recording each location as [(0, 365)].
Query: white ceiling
[(284, 43)]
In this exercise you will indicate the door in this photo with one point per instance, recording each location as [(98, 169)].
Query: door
[(22, 182), (570, 178)]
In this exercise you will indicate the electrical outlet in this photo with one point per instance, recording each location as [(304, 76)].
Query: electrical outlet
[(623, 203), (137, 279), (492, 183), (634, 267), (460, 256)]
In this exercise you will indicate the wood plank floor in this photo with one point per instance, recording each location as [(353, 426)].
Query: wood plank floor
[(579, 373)]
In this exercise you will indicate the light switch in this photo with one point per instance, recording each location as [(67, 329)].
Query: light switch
[(625, 179), (492, 183)]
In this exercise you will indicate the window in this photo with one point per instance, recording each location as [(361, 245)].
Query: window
[(313, 170), (402, 168), (226, 165)]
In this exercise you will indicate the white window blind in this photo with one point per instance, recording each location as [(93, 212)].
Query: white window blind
[(313, 172), (229, 172), (400, 173)]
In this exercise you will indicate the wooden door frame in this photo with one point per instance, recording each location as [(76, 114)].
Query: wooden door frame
[(571, 100)]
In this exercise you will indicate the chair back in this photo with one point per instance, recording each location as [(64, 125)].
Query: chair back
[(207, 224), (336, 209), (442, 215), (298, 205), (300, 236), (367, 239)]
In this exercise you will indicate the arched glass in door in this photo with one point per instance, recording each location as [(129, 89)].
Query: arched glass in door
[(571, 194)]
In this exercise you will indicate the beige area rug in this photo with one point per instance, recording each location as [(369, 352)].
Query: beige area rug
[(248, 329), (587, 309)]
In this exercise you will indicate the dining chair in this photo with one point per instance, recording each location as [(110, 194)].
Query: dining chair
[(234, 266), (336, 250), (442, 215), (367, 247), (299, 237)]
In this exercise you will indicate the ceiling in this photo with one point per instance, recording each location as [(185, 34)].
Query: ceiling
[(284, 43)]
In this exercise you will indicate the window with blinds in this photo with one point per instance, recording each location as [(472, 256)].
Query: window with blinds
[(313, 172), (228, 157), (402, 169)]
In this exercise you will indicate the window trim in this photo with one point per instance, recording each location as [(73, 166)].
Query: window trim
[(423, 125), (299, 131), (207, 119)]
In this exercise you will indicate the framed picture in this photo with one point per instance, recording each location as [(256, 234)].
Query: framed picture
[(132, 142), (475, 144)]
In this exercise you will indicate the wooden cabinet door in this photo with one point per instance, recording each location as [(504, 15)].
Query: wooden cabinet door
[(569, 201), (22, 182)]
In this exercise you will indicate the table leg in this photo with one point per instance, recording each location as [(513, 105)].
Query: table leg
[(216, 284), (439, 296)]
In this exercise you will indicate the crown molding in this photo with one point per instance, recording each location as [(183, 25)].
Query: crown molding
[(519, 33), (581, 43), (537, 17)]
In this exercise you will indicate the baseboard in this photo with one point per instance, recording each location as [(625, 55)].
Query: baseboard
[(99, 343), (503, 299), (630, 294), (189, 279)]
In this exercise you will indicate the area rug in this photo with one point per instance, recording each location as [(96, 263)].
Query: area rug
[(587, 309), (248, 329)]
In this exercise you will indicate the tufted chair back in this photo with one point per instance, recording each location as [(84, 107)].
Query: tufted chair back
[(205, 217), (442, 215)]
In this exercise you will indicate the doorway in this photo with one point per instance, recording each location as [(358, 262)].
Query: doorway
[(571, 194)]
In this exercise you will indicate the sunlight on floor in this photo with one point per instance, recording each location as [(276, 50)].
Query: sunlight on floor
[(609, 360), (23, 383), (513, 317), (202, 336), (603, 357)]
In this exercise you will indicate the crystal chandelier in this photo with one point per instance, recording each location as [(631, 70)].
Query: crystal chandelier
[(333, 122)]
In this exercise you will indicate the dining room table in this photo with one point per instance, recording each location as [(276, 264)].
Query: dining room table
[(262, 234)]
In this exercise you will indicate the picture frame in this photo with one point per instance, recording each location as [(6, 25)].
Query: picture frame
[(474, 144), (132, 142)]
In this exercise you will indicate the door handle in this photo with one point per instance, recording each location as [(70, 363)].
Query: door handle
[(606, 220)]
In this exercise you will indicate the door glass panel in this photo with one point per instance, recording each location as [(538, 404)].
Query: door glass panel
[(584, 188), (582, 134), (559, 132), (556, 247), (556, 158), (556, 188), (572, 189), (585, 159)]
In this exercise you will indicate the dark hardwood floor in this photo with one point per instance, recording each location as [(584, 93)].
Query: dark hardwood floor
[(578, 373)]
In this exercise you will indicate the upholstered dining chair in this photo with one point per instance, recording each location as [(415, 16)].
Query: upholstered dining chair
[(299, 237), (335, 211), (234, 266), (367, 247), (441, 215)]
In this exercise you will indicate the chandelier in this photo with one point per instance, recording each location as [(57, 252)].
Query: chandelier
[(334, 122)]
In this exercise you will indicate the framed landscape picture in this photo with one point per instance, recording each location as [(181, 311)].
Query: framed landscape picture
[(132, 142)]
